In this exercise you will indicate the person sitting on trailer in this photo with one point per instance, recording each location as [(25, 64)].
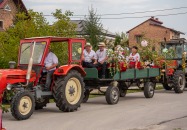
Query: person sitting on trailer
[(89, 56), (51, 62), (134, 57), (102, 57)]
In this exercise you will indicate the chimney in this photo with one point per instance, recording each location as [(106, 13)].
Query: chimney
[(152, 17), (157, 19)]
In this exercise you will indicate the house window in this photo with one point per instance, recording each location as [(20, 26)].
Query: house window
[(138, 38), (7, 7), (1, 24)]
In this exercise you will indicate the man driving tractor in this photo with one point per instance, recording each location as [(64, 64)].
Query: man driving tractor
[(51, 62)]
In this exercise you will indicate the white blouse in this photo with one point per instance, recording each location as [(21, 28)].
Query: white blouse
[(134, 58)]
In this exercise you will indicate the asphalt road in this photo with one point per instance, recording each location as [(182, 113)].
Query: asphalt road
[(165, 111)]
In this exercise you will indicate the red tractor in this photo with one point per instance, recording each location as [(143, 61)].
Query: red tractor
[(67, 87), (174, 72)]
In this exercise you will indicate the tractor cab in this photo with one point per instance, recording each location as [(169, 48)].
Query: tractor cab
[(176, 50), (40, 46)]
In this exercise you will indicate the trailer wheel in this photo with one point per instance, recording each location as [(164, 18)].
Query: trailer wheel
[(112, 95), (122, 89), (68, 91), (149, 89), (22, 105), (166, 86), (86, 95), (179, 81), (40, 104)]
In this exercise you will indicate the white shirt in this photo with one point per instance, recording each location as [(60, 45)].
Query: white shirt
[(101, 55), (134, 58), (88, 56), (50, 60)]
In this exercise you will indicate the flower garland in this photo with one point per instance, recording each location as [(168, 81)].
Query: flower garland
[(115, 57)]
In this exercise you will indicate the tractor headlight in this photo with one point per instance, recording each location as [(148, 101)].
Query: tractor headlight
[(9, 87), (163, 70)]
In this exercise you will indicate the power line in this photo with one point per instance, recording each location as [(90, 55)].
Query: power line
[(169, 9), (161, 10), (161, 15)]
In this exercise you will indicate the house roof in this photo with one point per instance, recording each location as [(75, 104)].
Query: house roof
[(169, 29), (2, 3), (80, 26), (19, 4), (155, 22)]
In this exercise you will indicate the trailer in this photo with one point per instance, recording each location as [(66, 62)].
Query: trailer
[(125, 80)]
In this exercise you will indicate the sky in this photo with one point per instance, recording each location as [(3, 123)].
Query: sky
[(81, 7)]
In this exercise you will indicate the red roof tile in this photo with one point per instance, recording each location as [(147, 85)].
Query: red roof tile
[(2, 4), (18, 3)]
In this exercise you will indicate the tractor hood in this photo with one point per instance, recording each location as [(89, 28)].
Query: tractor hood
[(14, 76), (6, 72)]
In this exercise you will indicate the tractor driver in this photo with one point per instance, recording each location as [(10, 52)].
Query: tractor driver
[(51, 62)]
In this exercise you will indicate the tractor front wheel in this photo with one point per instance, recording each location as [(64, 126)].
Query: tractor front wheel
[(179, 81), (68, 91), (22, 105)]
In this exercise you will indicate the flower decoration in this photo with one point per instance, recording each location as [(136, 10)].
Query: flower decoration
[(116, 57), (144, 43), (165, 50)]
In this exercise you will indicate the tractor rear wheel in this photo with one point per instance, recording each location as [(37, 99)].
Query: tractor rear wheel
[(68, 91), (112, 95), (179, 81), (149, 89), (22, 105)]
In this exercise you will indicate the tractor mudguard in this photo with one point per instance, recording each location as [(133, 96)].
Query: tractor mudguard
[(63, 70)]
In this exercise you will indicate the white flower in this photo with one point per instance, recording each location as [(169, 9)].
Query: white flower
[(165, 50), (144, 43)]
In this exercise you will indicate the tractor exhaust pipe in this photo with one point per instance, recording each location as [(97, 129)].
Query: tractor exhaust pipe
[(28, 76)]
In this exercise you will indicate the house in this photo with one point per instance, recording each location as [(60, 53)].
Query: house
[(80, 32), (8, 10), (154, 30)]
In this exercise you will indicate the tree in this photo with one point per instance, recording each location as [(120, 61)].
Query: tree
[(63, 26), (93, 28), (122, 39), (33, 25)]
